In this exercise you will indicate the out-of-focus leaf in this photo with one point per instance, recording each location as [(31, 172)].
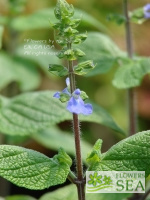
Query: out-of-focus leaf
[(40, 19), (102, 50), (101, 116), (28, 76), (131, 75), (119, 19), (39, 54), (19, 70), (37, 20), (54, 138), (89, 20), (131, 154), (70, 193), (3, 20), (30, 112), (19, 197), (1, 34), (31, 169)]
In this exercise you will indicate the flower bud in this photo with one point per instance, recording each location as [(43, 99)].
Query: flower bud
[(84, 67), (63, 10)]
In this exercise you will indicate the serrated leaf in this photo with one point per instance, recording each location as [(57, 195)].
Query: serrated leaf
[(1, 34), (70, 193), (131, 75), (31, 169), (19, 197), (19, 70), (131, 154), (54, 138), (30, 112), (102, 50), (40, 19)]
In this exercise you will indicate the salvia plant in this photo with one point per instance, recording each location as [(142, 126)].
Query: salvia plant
[(30, 113)]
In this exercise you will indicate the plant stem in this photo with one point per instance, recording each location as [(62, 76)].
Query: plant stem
[(131, 91), (145, 195), (80, 183)]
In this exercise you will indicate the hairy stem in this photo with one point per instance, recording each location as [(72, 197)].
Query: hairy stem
[(80, 183), (131, 92)]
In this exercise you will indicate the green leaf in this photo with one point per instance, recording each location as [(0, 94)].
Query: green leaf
[(70, 193), (101, 116), (131, 154), (131, 75), (19, 197), (31, 169), (102, 50), (55, 138), (40, 19), (58, 70), (119, 19), (26, 70), (1, 34), (95, 155), (19, 70), (29, 112), (4, 20), (87, 19)]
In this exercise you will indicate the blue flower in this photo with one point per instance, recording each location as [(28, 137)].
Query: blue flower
[(147, 11), (75, 103), (65, 91)]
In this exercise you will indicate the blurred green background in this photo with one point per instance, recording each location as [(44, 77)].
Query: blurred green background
[(19, 32)]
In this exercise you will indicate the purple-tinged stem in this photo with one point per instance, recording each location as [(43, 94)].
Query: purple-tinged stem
[(80, 183)]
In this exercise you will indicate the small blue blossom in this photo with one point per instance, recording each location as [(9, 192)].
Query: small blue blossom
[(67, 82), (147, 11), (75, 103), (57, 95), (65, 91)]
